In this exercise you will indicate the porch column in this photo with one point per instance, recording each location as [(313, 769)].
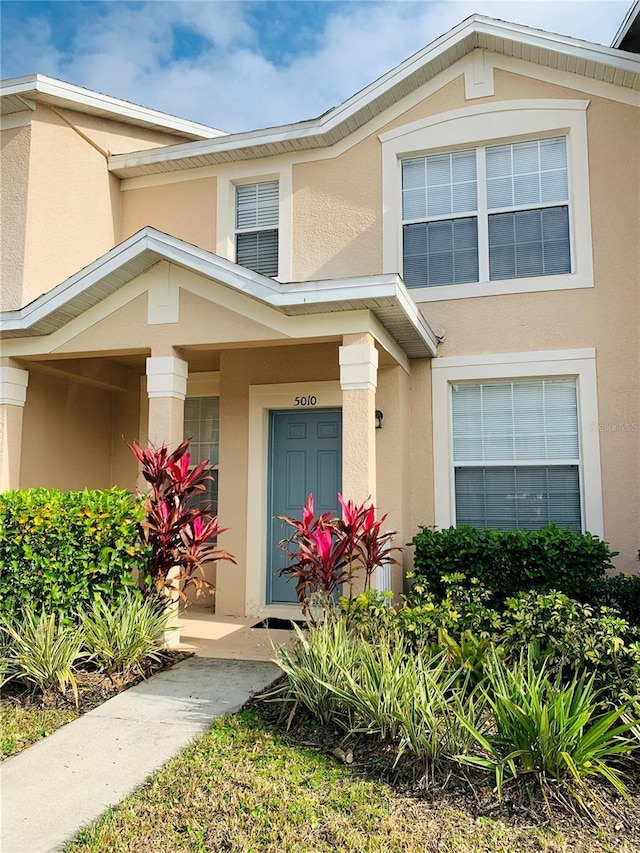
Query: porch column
[(166, 389), (358, 380), (13, 395)]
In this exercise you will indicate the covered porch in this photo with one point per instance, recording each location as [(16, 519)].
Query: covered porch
[(159, 341)]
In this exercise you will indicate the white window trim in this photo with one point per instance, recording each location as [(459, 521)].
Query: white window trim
[(578, 364), (492, 124), (252, 173)]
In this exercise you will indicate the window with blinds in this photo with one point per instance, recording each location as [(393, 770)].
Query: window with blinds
[(516, 454), (202, 426), (440, 237), (257, 216), (520, 206)]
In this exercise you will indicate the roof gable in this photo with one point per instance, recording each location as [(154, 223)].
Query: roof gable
[(18, 94), (385, 296), (574, 56)]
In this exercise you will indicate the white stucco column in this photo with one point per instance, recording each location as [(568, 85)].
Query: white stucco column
[(13, 396), (166, 389), (358, 380)]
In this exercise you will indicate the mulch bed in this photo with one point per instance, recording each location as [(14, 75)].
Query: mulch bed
[(469, 789), (94, 687)]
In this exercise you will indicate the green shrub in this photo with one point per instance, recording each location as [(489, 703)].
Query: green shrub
[(622, 592), (44, 650), (464, 606), (550, 730), (573, 638), (570, 637), (508, 562), (121, 636), (59, 550)]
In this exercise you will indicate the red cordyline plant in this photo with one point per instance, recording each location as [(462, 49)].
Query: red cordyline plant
[(181, 536), (327, 552)]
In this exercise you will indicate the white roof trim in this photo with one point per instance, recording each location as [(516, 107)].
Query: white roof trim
[(39, 87), (384, 295), (625, 26), (475, 32)]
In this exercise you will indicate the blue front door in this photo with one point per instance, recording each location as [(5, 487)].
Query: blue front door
[(305, 455)]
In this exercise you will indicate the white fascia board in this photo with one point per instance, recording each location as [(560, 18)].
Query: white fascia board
[(297, 132), (359, 287), (148, 239), (365, 288), (66, 94), (267, 291), (625, 26), (200, 261), (75, 285)]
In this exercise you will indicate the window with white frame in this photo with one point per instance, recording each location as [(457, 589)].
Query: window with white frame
[(256, 226), (486, 214), (202, 426), (516, 453)]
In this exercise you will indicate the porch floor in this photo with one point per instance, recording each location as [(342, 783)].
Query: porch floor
[(231, 637)]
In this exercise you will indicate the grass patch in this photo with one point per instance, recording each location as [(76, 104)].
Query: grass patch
[(245, 787), (22, 726)]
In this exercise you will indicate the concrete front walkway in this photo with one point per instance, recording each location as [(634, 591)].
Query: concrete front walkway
[(68, 779)]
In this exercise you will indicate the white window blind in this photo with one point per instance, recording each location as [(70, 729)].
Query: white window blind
[(516, 454), (522, 209), (257, 217)]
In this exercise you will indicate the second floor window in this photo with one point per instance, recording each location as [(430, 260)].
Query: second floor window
[(493, 213), (256, 226)]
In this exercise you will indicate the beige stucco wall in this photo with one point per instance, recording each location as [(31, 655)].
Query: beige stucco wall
[(71, 207), (337, 232), (14, 183), (186, 210), (126, 427), (201, 322), (119, 137), (67, 435), (395, 462), (336, 215), (606, 316)]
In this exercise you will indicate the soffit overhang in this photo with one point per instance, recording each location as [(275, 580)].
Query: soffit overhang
[(477, 32), (385, 296)]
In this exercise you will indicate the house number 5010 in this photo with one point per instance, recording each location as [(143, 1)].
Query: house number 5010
[(306, 401)]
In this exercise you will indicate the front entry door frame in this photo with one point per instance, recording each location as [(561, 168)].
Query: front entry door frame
[(262, 400)]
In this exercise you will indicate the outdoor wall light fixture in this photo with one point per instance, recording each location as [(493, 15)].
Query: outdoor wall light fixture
[(379, 417)]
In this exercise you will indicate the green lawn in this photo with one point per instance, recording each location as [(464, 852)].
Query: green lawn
[(20, 726), (244, 787)]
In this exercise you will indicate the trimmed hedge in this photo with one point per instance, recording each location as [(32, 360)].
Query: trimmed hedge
[(509, 562), (61, 549)]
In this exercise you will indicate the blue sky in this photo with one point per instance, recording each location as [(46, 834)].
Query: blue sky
[(240, 65)]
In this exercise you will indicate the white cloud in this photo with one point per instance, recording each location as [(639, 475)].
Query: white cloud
[(126, 51)]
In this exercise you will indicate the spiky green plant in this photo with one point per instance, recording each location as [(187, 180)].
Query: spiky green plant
[(123, 636), (556, 733), (45, 650), (7, 667), (314, 665)]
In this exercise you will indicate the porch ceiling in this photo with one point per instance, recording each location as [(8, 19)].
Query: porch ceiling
[(385, 296)]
